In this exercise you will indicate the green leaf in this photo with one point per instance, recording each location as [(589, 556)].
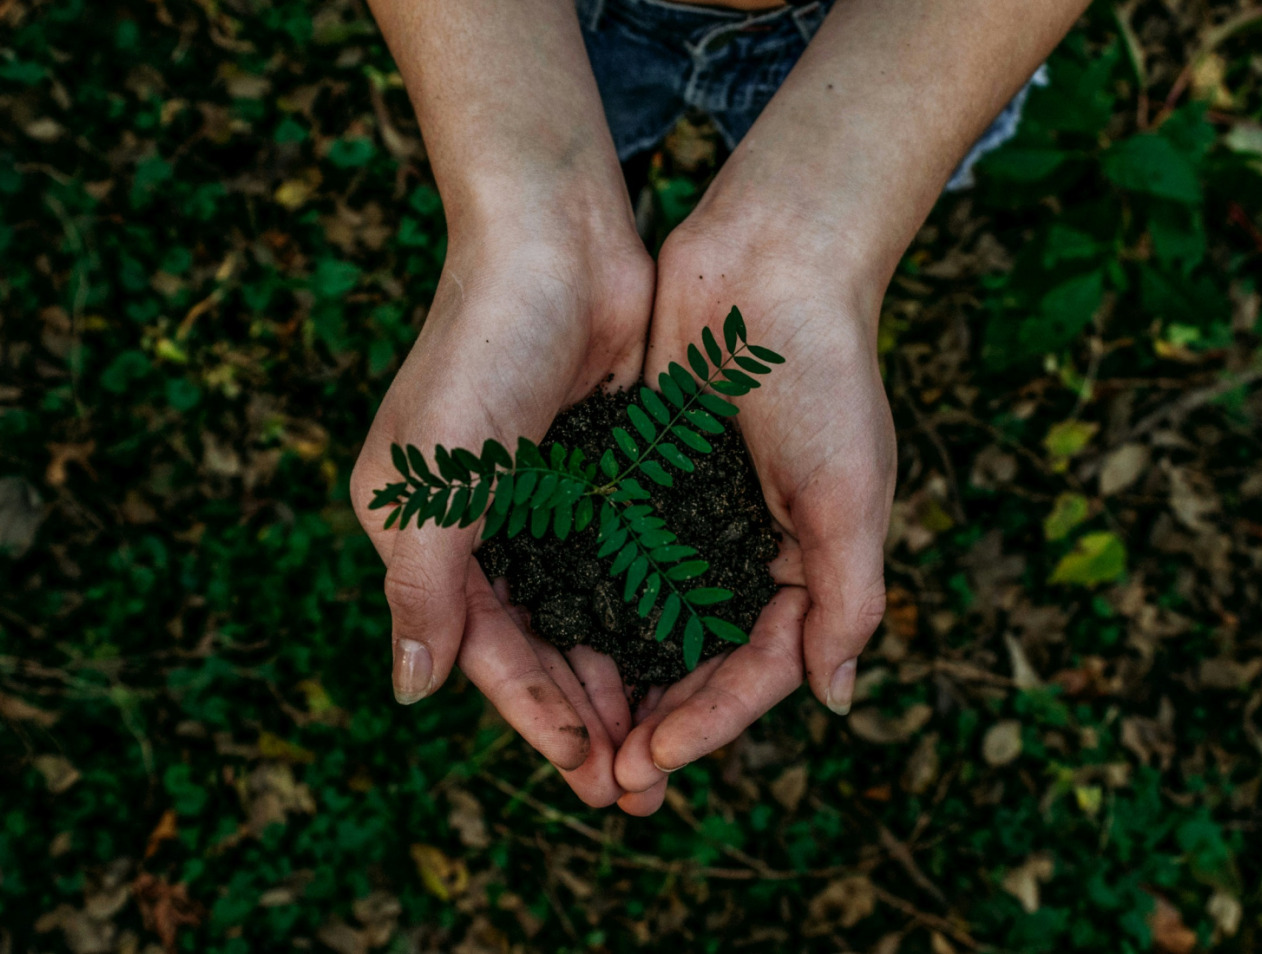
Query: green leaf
[(681, 377), (699, 366), (752, 366), (650, 539), (503, 494), (692, 439), (456, 510), (477, 501), (392, 517), (623, 559), (647, 601), (671, 553), (494, 520), (670, 390), (635, 576), (730, 334), (417, 460), (467, 460), (725, 630), (624, 441), (400, 459), (448, 466), (687, 571), (741, 378), (542, 496), (676, 457), (1023, 165), (641, 422), (1151, 163), (1098, 558), (609, 464), (563, 521), (670, 613), (583, 514), (728, 388), (694, 639), (703, 421), (615, 540), (411, 509), (707, 595), (496, 454), (656, 473), (1068, 511), (712, 350), (517, 521), (717, 405), (655, 406), (636, 492), (525, 486), (386, 495), (766, 354), (528, 454), (539, 520)]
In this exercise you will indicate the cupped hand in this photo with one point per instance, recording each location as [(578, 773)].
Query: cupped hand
[(524, 323), (821, 438)]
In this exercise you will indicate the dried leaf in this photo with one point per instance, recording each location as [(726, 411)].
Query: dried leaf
[(165, 908), (165, 830), (58, 773), (1023, 882), (466, 818), (1122, 467), (1002, 742), (789, 788), (1169, 933), (843, 903), (871, 725), (923, 766)]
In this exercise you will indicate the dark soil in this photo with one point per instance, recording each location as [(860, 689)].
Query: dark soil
[(572, 599)]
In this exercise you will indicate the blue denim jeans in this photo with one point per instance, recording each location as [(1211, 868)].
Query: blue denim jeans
[(654, 60)]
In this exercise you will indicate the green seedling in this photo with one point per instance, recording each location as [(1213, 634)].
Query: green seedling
[(563, 493)]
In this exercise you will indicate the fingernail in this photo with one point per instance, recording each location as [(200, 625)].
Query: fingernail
[(413, 668), (667, 771), (841, 689)]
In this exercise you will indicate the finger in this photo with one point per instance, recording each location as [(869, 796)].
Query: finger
[(751, 680), (593, 780), (843, 561), (634, 768), (642, 804), (426, 578), (602, 683), (500, 660)]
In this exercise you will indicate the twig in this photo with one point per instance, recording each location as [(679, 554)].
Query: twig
[(931, 921), (1193, 400)]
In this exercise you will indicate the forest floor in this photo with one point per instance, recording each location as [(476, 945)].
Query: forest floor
[(219, 237)]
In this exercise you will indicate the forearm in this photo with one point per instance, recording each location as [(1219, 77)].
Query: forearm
[(509, 109), (859, 141)]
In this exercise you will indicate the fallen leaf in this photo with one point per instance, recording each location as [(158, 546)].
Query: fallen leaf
[(272, 746), (1226, 911), (58, 773), (871, 725), (1097, 558), (923, 766), (1169, 933), (1068, 511), (1023, 882), (165, 908), (165, 830), (1122, 467), (21, 513), (271, 794), (1068, 439), (83, 934), (444, 877), (1024, 675), (843, 903), (466, 818), (340, 937), (789, 788), (18, 710), (1002, 742)]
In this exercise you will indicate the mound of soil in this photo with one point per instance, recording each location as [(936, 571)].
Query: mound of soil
[(567, 589)]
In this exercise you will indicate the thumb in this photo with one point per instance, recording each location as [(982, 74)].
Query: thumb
[(843, 562)]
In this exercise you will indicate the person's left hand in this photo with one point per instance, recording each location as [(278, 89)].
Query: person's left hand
[(821, 438)]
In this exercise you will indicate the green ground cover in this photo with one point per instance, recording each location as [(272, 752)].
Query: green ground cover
[(218, 237)]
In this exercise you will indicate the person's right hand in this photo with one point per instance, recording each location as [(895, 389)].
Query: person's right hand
[(528, 318)]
